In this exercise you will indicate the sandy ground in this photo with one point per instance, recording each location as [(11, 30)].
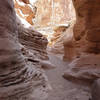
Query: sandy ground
[(63, 89)]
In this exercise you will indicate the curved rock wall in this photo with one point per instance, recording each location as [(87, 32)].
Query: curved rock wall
[(86, 40), (20, 79), (88, 15)]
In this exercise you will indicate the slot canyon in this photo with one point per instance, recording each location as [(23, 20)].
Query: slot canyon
[(49, 49)]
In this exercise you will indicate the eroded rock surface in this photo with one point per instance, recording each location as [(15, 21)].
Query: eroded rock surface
[(33, 40), (88, 23), (84, 68), (85, 41), (57, 39), (20, 79), (25, 10)]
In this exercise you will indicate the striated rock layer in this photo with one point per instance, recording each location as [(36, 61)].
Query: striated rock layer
[(20, 79), (33, 41)]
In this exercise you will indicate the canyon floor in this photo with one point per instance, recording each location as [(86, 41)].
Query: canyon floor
[(63, 89)]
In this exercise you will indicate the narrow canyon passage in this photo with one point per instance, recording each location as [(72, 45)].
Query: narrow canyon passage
[(49, 49)]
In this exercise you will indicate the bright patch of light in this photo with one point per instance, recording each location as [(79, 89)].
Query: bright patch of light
[(47, 31), (32, 1), (20, 3), (24, 22)]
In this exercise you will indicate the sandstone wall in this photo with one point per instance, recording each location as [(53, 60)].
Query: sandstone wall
[(86, 41), (25, 11), (20, 77)]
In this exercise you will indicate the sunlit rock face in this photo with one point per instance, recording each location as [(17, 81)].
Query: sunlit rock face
[(57, 39), (25, 11), (86, 40), (20, 77), (45, 16), (51, 12), (45, 12), (57, 15)]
